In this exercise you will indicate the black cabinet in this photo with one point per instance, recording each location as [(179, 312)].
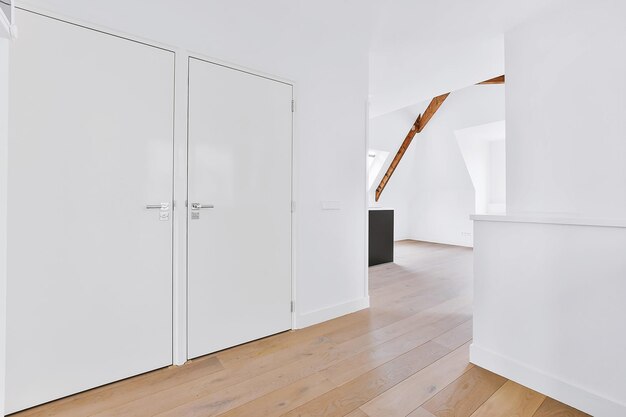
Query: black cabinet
[(380, 236)]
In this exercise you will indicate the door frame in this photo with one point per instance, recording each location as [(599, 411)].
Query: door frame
[(4, 142), (180, 164), (210, 60)]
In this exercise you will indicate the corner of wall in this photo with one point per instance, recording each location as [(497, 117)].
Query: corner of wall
[(549, 385)]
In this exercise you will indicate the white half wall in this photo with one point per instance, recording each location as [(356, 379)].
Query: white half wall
[(431, 189), (4, 122), (304, 43), (549, 309)]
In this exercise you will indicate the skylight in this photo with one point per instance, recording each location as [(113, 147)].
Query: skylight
[(375, 162)]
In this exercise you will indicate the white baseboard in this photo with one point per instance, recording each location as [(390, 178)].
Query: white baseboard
[(441, 242), (332, 312), (549, 385)]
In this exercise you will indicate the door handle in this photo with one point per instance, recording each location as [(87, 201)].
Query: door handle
[(162, 206), (198, 206)]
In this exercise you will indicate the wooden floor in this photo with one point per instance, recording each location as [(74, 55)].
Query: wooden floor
[(405, 356)]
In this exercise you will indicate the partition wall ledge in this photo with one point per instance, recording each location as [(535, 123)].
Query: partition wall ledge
[(549, 219)]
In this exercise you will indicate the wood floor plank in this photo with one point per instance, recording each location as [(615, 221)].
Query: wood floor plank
[(463, 396), (511, 400), (420, 412), (284, 400), (357, 413), (402, 281), (212, 403), (348, 397), (553, 408), (405, 397), (462, 334), (380, 354)]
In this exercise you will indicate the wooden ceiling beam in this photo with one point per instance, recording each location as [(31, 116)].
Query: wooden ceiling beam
[(418, 126), (396, 160), (497, 80), (431, 110)]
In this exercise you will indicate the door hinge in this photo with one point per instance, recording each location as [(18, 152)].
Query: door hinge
[(293, 306), (293, 206), (293, 106)]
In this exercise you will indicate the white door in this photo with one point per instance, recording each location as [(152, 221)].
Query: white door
[(89, 266), (239, 265)]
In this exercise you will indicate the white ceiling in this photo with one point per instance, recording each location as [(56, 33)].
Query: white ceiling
[(417, 48), (421, 48)]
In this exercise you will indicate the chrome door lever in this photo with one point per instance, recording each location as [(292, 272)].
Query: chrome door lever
[(198, 206), (162, 206)]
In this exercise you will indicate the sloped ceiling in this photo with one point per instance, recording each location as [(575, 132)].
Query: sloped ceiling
[(420, 49), (5, 20)]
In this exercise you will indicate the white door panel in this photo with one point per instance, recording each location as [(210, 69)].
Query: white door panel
[(239, 265), (89, 267)]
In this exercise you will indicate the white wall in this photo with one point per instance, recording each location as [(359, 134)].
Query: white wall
[(550, 308), (431, 189), (4, 114), (483, 150), (565, 112), (497, 176), (303, 42)]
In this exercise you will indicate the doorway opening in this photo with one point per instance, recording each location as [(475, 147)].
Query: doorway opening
[(451, 164)]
